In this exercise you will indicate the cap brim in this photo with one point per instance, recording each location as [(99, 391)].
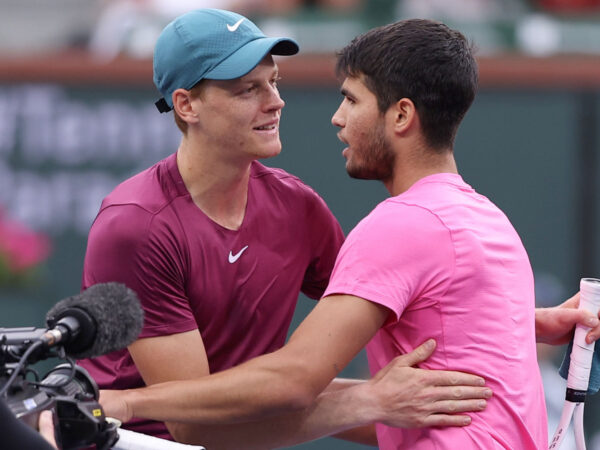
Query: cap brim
[(247, 57)]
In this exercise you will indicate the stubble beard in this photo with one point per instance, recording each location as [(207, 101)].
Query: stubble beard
[(376, 158)]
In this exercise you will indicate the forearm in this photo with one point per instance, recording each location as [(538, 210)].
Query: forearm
[(246, 393), (281, 382), (339, 411), (540, 324)]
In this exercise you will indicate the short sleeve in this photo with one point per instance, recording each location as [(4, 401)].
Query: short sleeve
[(129, 245), (395, 256)]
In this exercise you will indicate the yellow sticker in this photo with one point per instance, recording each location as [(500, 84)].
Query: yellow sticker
[(97, 412)]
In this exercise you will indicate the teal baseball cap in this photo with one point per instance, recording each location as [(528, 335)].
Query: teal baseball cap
[(210, 44)]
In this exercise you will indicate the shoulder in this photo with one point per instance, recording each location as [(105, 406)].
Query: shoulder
[(399, 216), (398, 228), (284, 186), (149, 190), (138, 202), (280, 179)]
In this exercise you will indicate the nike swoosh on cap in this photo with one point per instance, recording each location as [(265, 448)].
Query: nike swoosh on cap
[(235, 26), (233, 258)]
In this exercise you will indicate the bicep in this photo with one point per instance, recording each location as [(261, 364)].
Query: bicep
[(174, 357), (331, 335), (168, 358)]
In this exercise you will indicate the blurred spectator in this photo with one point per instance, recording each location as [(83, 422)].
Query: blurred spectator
[(569, 6), (332, 5), (33, 26), (21, 251), (459, 10), (132, 26)]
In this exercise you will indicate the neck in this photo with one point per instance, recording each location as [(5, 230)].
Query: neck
[(219, 187), (408, 171)]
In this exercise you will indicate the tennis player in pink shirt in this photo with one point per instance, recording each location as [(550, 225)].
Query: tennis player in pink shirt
[(447, 264), (442, 260)]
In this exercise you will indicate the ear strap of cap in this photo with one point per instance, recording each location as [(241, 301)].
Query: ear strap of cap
[(162, 106)]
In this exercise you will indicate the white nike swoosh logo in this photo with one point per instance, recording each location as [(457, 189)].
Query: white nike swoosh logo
[(233, 258), (235, 26)]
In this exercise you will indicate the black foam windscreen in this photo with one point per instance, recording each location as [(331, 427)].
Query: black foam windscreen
[(109, 315)]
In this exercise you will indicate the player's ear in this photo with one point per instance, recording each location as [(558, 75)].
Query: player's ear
[(182, 104), (403, 114)]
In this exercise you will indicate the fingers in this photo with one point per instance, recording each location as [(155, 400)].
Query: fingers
[(446, 413), (418, 355), (460, 397), (590, 320), (46, 427), (587, 319), (439, 377), (444, 420), (452, 378), (459, 406), (594, 333), (413, 398)]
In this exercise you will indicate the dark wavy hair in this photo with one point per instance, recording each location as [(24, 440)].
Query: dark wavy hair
[(422, 60)]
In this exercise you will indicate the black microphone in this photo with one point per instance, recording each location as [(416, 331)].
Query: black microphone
[(103, 318)]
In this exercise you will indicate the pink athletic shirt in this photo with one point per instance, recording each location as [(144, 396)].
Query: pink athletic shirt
[(239, 288), (450, 266)]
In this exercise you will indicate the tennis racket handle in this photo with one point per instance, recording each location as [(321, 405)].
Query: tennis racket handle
[(582, 353)]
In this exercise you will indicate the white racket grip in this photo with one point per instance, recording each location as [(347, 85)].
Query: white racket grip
[(582, 353)]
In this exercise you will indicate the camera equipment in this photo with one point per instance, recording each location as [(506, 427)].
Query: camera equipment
[(104, 318)]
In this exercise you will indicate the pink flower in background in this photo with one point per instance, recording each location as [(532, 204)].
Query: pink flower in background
[(21, 249)]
